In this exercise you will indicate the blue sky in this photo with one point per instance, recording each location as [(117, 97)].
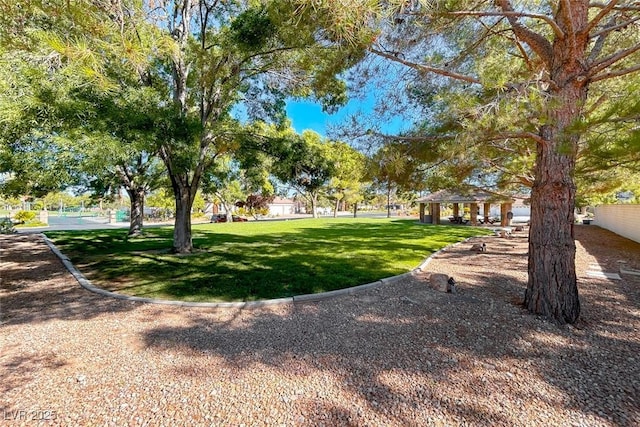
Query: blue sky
[(306, 114), (309, 115)]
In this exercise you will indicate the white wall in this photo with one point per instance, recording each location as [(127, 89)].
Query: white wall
[(621, 219), (518, 210), (277, 210)]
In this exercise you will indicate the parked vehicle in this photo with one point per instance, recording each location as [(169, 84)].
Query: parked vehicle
[(223, 218)]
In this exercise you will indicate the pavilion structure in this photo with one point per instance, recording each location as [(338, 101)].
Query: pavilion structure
[(430, 205)]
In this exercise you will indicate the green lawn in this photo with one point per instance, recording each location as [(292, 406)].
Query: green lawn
[(256, 260)]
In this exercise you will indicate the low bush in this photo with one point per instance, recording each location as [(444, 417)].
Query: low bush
[(6, 226), (24, 216)]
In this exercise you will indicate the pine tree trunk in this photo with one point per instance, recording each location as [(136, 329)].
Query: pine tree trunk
[(182, 242), (136, 196), (552, 289)]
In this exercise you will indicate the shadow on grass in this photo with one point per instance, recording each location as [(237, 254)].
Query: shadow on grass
[(245, 262)]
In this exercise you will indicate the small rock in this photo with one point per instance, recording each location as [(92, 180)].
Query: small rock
[(479, 247), (439, 282)]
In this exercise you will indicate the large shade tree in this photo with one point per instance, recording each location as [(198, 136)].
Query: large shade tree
[(529, 70), (208, 60), (34, 155), (305, 164), (79, 84), (119, 143), (229, 54), (346, 185)]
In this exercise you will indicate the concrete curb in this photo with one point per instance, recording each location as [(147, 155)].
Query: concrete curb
[(337, 292), (85, 283)]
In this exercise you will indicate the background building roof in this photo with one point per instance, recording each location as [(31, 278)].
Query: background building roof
[(470, 196)]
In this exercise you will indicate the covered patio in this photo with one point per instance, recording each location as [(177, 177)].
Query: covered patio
[(430, 206)]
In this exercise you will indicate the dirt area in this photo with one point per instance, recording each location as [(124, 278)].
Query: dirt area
[(401, 354)]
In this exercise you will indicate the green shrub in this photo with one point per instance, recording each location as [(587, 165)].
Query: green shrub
[(24, 216), (6, 226)]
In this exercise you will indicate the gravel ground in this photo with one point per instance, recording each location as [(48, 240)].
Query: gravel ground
[(398, 355)]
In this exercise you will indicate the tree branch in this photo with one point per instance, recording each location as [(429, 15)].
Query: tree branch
[(413, 138), (425, 68), (523, 179), (596, 104), (625, 8), (525, 55), (613, 74), (564, 10), (267, 52), (517, 135), (612, 59), (124, 175), (599, 17), (538, 43), (599, 44), (513, 14), (611, 28)]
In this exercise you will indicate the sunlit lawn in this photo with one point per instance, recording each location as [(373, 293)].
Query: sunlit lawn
[(256, 260)]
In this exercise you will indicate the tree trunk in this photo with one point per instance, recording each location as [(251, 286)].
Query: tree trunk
[(312, 199), (227, 210), (335, 212), (388, 201), (355, 210), (136, 196), (552, 289), (182, 242)]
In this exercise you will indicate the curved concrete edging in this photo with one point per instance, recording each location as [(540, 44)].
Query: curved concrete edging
[(85, 283)]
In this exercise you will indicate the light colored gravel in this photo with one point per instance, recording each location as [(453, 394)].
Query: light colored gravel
[(397, 355)]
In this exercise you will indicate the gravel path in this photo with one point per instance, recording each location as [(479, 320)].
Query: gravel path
[(398, 355)]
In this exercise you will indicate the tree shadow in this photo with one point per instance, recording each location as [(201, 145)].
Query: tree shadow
[(20, 369), (234, 267), (36, 287), (612, 253), (325, 338), (402, 351)]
